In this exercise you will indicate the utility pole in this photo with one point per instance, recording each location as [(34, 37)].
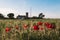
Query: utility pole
[(30, 11)]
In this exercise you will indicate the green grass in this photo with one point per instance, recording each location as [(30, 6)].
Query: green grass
[(29, 34)]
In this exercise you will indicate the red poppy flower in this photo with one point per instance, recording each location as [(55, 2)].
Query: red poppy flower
[(50, 26), (46, 24), (53, 25), (17, 27), (41, 28), (7, 29), (25, 26), (35, 27), (39, 23)]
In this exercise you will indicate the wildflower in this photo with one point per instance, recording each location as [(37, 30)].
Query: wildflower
[(39, 23), (35, 27), (41, 28), (25, 26), (17, 27), (50, 26), (53, 25), (46, 24), (7, 29)]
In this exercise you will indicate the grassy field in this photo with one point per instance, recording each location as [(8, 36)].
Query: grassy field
[(16, 30)]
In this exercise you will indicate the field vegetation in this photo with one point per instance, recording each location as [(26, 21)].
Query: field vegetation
[(30, 29)]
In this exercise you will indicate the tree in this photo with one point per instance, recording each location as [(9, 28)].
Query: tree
[(1, 16), (41, 15), (11, 15)]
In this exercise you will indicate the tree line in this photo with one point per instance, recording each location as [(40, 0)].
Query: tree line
[(11, 16)]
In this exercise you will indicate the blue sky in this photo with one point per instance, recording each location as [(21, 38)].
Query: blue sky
[(50, 8)]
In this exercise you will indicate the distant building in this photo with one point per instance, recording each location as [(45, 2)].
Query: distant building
[(23, 16), (34, 17), (26, 15)]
